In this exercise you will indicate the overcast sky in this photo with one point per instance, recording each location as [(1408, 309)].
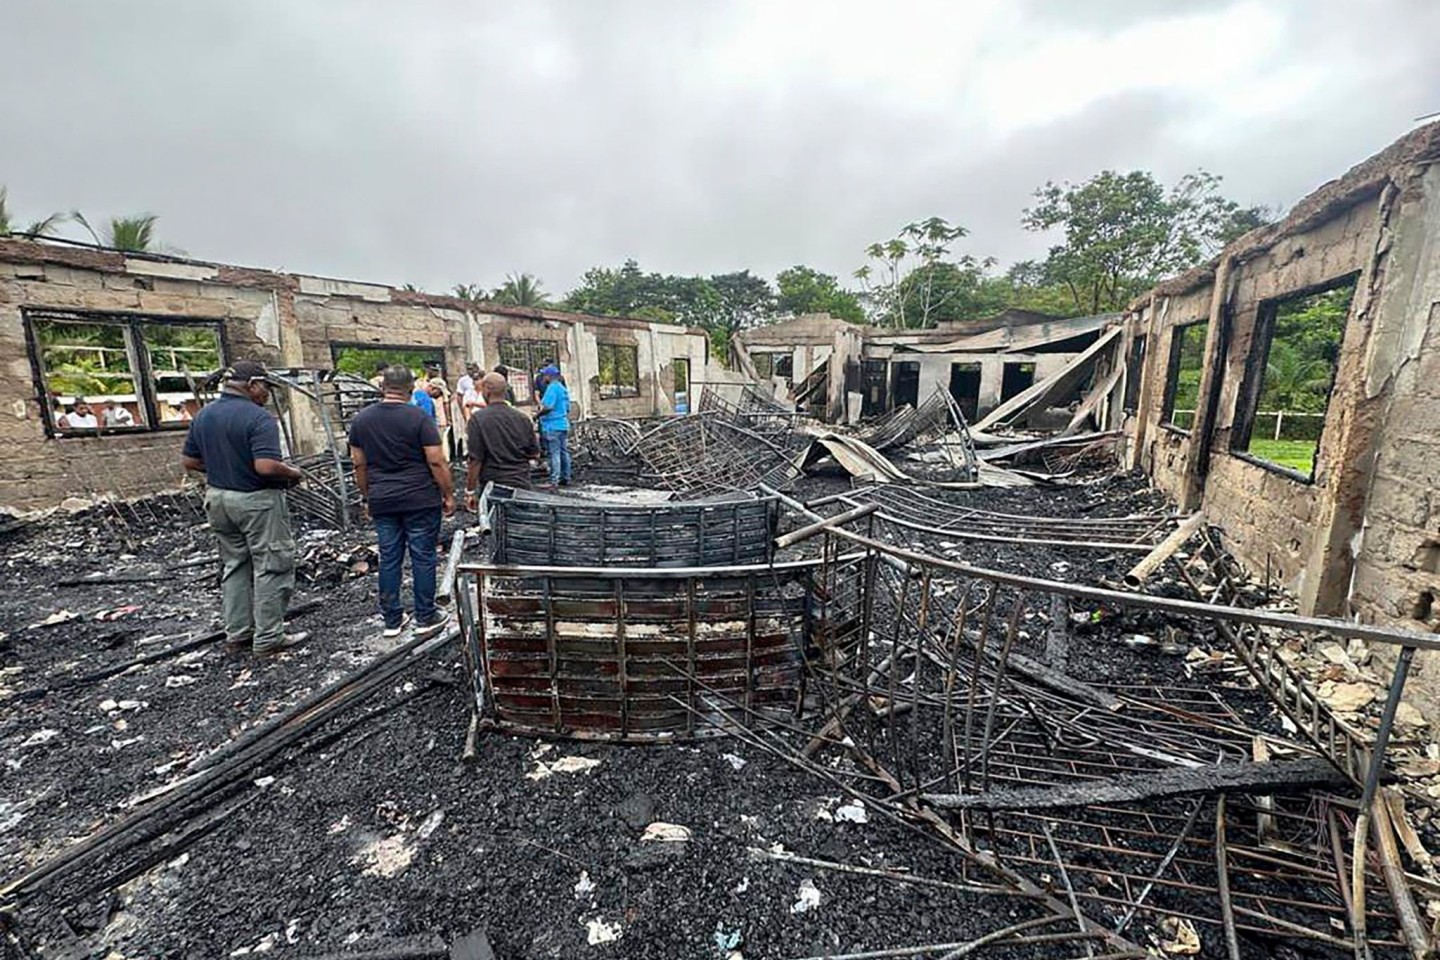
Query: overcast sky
[(436, 143)]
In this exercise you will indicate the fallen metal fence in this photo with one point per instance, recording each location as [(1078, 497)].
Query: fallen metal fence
[(1137, 803)]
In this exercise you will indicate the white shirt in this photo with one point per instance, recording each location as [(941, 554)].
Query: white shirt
[(465, 384), (119, 417), (80, 421)]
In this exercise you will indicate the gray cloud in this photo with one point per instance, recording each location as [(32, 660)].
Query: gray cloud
[(444, 142)]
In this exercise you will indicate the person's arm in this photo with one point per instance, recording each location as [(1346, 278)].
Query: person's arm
[(440, 470), (474, 464), (190, 453), (362, 475), (265, 453)]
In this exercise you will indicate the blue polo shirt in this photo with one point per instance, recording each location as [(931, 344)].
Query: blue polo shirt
[(557, 398), (228, 436)]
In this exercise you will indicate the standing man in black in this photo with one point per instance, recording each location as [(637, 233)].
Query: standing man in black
[(500, 441), (404, 480), (236, 444)]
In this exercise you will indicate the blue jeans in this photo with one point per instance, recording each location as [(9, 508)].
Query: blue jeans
[(557, 450), (419, 530)]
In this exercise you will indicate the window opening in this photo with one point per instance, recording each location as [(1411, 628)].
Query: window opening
[(1289, 376), (619, 370), (1182, 379)]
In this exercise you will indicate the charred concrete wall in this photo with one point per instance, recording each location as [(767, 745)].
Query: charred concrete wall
[(1361, 538), (282, 319)]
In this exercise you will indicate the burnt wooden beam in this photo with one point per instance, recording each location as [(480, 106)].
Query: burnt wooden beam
[(1131, 788)]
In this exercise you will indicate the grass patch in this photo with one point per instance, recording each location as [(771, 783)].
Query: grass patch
[(1296, 454)]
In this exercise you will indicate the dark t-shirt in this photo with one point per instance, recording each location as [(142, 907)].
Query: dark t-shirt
[(393, 437), (502, 440), (228, 436)]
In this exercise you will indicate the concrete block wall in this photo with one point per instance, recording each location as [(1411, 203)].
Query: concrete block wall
[(281, 319), (1397, 549), (1363, 539)]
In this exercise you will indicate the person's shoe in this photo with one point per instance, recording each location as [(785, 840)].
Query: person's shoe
[(564, 483), (428, 628), (287, 642), (390, 633), (236, 645)]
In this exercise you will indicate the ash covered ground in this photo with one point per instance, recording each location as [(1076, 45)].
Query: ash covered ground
[(378, 837)]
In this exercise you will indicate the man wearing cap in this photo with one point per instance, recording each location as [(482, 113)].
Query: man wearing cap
[(236, 444), (554, 417)]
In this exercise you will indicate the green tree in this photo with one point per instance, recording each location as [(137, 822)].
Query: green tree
[(521, 290), (38, 228), (132, 234), (1293, 381), (1123, 232), (899, 299), (468, 291), (804, 290)]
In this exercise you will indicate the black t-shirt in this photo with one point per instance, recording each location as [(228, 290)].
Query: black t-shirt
[(393, 437), (228, 436), (502, 440)]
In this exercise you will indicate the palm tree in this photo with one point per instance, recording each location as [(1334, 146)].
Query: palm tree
[(39, 228), (521, 290), (469, 291), (134, 234), (1294, 382)]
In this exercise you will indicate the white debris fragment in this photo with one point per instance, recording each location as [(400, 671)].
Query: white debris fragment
[(852, 812), (584, 886), (179, 680), (665, 833), (430, 824), (388, 858), (40, 737), (339, 826), (807, 898), (263, 782), (742, 886), (122, 744), (597, 931), (563, 765), (109, 706), (292, 931), (735, 761)]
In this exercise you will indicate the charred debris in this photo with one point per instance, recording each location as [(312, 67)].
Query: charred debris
[(758, 687)]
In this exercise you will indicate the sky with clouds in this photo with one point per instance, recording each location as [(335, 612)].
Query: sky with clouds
[(444, 141)]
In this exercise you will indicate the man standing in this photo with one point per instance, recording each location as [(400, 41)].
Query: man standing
[(555, 426), (405, 482), (501, 442), (80, 417), (236, 444)]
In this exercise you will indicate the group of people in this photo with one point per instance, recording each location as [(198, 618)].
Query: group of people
[(82, 416), (402, 470)]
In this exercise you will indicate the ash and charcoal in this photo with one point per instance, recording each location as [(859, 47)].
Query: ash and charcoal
[(338, 802)]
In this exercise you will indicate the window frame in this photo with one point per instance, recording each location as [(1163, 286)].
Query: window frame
[(1172, 373), (549, 349), (1139, 346), (142, 371), (616, 390), (1252, 384)]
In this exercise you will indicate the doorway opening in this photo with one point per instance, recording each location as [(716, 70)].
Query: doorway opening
[(1016, 379), (906, 377), (965, 387)]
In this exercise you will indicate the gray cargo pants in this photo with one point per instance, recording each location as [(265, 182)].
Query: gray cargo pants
[(257, 556)]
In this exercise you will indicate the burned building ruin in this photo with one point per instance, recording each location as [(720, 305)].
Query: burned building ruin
[(1020, 636)]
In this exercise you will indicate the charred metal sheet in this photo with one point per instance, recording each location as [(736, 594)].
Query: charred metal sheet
[(702, 454), (540, 529), (937, 421), (633, 655)]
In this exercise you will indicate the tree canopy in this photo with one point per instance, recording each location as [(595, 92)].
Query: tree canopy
[(1122, 232)]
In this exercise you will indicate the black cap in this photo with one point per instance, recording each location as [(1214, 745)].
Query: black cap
[(247, 371)]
